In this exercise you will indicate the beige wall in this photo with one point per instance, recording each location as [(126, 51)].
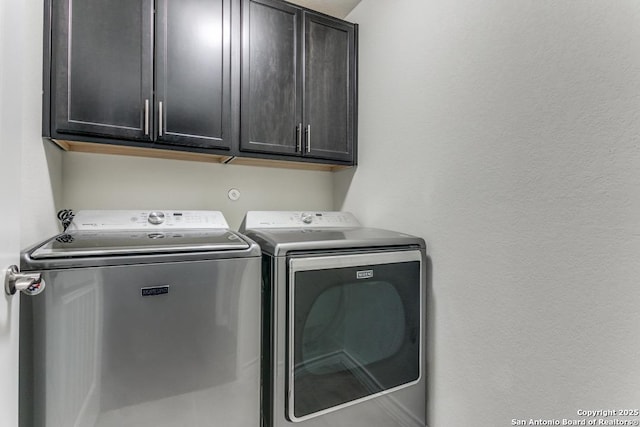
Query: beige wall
[(506, 133), (96, 181)]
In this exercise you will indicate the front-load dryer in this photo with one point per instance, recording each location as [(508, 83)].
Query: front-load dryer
[(148, 319), (344, 321)]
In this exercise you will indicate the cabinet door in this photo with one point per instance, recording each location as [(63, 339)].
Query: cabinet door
[(193, 87), (329, 87), (102, 67), (271, 78)]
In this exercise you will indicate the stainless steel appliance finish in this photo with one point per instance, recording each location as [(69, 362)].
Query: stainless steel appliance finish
[(344, 325), (149, 319)]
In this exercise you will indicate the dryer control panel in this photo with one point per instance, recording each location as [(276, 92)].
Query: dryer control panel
[(147, 220), (299, 219)]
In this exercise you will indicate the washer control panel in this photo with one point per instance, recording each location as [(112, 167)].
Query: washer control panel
[(146, 220), (299, 219)]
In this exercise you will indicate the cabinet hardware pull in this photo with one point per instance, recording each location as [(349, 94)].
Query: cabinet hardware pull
[(308, 138), (299, 137), (146, 117), (160, 118)]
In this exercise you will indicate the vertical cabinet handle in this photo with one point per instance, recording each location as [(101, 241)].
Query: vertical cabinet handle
[(299, 137), (160, 118), (308, 134), (146, 117)]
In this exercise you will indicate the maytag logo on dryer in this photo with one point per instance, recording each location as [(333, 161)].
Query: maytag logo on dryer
[(364, 274), (154, 291)]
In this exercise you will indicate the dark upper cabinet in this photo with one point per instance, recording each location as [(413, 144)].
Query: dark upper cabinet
[(102, 71), (102, 67), (193, 73), (298, 82), (271, 77), (329, 87), (231, 78)]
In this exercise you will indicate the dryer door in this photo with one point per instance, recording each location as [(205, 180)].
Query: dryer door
[(354, 329)]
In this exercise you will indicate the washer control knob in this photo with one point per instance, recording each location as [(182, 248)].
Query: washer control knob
[(307, 218), (156, 217)]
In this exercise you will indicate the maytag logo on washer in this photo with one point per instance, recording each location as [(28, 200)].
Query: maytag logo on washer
[(154, 291), (364, 274)]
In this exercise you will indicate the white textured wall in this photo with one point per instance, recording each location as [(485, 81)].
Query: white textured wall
[(41, 184), (29, 175), (10, 103), (96, 181), (38, 179), (507, 134)]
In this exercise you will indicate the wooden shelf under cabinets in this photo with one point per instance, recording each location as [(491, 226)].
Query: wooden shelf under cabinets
[(96, 148)]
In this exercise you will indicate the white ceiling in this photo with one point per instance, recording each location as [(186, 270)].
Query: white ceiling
[(337, 8)]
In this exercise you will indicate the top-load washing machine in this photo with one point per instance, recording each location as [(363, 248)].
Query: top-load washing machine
[(148, 319), (344, 321)]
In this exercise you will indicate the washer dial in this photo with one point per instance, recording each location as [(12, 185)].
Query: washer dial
[(156, 217), (307, 218)]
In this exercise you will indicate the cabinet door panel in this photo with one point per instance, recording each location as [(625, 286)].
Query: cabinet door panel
[(193, 73), (102, 67), (271, 84), (329, 82)]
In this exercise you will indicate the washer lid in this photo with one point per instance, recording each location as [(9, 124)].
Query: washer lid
[(76, 244)]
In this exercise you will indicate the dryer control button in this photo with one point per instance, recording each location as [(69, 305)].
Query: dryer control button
[(156, 217)]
